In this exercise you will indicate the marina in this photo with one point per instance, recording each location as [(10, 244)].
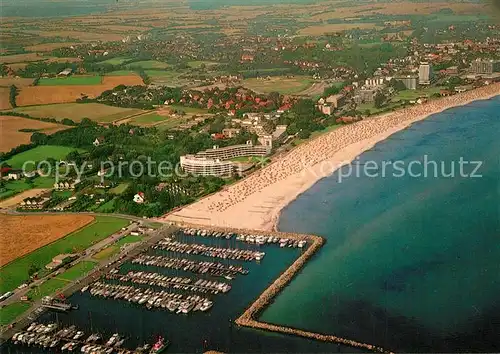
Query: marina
[(212, 277), (73, 340)]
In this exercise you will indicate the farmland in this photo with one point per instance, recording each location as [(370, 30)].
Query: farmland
[(4, 98), (147, 119), (25, 234), (11, 136), (77, 111), (40, 153), (148, 64), (18, 81), (15, 273), (283, 85), (71, 80), (13, 192), (36, 95), (115, 61)]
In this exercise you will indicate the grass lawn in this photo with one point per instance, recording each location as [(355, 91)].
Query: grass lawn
[(70, 80), (119, 189), (77, 271), (110, 251), (15, 273), (15, 187), (77, 111), (107, 207), (10, 312), (279, 84), (40, 153), (148, 64), (148, 119), (299, 141), (47, 288), (408, 95)]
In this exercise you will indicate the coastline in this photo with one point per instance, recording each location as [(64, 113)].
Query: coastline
[(257, 201)]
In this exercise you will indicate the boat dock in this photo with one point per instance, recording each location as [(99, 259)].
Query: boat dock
[(164, 281), (169, 244), (200, 267)]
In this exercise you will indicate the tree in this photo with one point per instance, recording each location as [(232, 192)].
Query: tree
[(379, 100), (398, 85), (33, 269), (13, 95)]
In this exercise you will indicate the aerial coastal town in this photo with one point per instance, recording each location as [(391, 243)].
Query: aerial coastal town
[(149, 148)]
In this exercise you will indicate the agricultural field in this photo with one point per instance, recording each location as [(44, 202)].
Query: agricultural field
[(18, 81), (16, 272), (4, 98), (119, 189), (12, 136), (283, 85), (25, 234), (71, 80), (40, 153), (319, 30), (14, 192), (38, 95), (114, 61), (197, 64), (148, 64), (77, 111), (22, 58)]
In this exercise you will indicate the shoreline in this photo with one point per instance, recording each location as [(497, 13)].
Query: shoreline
[(257, 201)]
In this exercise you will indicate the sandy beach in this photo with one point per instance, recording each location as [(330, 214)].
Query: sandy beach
[(256, 201)]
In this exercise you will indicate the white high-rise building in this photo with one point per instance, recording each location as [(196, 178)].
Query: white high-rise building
[(424, 74)]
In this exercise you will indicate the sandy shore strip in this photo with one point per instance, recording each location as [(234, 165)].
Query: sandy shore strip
[(256, 201)]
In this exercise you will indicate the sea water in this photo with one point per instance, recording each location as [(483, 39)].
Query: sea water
[(410, 263)]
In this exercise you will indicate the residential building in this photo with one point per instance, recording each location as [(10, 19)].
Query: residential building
[(485, 66), (204, 166), (139, 198), (60, 260), (231, 152), (409, 81), (425, 74), (336, 100)]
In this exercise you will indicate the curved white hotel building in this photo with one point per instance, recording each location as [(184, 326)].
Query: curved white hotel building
[(214, 162)]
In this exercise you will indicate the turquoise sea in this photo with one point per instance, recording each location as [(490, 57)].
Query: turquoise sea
[(410, 263)]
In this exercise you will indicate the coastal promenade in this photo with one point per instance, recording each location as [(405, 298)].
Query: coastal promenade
[(256, 201), (249, 317)]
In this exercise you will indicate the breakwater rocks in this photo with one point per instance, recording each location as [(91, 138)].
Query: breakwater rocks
[(248, 318)]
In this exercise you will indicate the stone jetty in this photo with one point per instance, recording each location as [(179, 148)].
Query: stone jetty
[(248, 318)]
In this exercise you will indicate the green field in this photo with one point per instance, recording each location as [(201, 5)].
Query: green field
[(70, 80), (77, 271), (16, 272), (283, 85), (121, 73), (148, 64), (40, 153), (110, 251), (11, 188), (119, 189), (198, 63), (77, 111), (107, 207), (189, 110), (10, 312), (114, 61), (408, 95), (47, 288), (148, 119)]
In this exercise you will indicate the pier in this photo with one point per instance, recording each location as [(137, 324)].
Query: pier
[(249, 317)]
